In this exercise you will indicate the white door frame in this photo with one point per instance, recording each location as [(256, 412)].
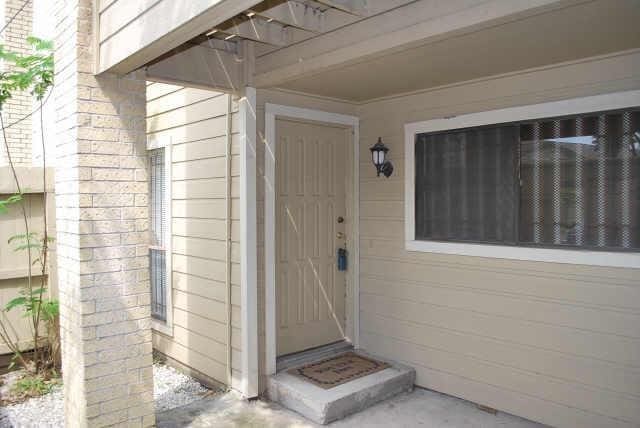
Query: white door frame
[(272, 111), (249, 385)]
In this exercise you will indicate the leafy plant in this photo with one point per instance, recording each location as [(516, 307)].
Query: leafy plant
[(33, 72), (5, 203), (32, 386)]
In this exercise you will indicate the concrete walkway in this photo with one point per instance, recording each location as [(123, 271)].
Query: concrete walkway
[(421, 408)]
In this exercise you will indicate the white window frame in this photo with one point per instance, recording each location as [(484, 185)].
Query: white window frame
[(165, 327), (589, 104)]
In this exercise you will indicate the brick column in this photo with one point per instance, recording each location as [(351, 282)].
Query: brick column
[(14, 37), (101, 204)]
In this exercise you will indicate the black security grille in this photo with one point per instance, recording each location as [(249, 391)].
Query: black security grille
[(569, 181), (157, 270)]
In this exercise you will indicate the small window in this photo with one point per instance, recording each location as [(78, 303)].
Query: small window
[(158, 225), (560, 182)]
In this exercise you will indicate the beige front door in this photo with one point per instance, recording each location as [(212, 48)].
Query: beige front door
[(311, 224)]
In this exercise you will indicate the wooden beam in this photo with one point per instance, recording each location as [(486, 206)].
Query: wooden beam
[(352, 7), (200, 66), (230, 46), (258, 30), (293, 13), (331, 18)]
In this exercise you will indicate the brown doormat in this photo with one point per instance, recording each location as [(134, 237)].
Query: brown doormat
[(337, 370)]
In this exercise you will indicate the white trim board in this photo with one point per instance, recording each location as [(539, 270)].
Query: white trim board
[(248, 245), (272, 111), (535, 111)]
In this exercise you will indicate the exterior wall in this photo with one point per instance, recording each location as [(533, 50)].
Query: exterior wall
[(555, 343), (195, 120), (20, 105), (102, 238), (289, 99)]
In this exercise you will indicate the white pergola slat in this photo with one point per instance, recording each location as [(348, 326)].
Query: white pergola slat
[(353, 7), (295, 14), (258, 30)]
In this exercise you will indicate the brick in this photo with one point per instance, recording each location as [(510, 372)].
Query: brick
[(110, 174), (108, 418), (113, 200), (119, 303), (104, 369), (111, 148), (116, 391), (102, 222)]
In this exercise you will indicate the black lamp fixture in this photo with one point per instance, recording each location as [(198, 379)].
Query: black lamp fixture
[(378, 156)]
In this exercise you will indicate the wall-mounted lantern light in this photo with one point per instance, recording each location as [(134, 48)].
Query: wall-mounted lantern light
[(378, 156)]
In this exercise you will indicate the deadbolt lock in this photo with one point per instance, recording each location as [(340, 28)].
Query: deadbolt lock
[(340, 219), (340, 235)]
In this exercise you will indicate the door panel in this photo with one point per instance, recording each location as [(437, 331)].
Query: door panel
[(310, 196)]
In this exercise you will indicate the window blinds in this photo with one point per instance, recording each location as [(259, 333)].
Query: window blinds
[(158, 227)]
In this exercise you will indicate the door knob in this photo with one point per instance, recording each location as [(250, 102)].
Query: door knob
[(340, 235)]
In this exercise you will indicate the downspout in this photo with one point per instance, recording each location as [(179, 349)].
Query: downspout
[(228, 144)]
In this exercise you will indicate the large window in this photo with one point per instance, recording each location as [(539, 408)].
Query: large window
[(568, 181)]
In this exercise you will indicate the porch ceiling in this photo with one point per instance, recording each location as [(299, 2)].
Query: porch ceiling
[(224, 62), (578, 31)]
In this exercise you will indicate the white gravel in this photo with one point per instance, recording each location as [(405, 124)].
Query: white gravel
[(44, 411), (171, 389)]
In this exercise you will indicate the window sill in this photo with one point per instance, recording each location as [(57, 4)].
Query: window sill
[(549, 255), (162, 327)]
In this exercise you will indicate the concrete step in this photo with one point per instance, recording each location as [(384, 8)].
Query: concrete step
[(323, 406)]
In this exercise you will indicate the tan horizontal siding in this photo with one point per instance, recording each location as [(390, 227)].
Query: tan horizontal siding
[(204, 188), (204, 228), (116, 14), (205, 168), (563, 367), (514, 306), (189, 357), (202, 149), (481, 390), (613, 293), (196, 246), (136, 32), (208, 128), (196, 122), (215, 106), (552, 342), (157, 90), (178, 100)]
